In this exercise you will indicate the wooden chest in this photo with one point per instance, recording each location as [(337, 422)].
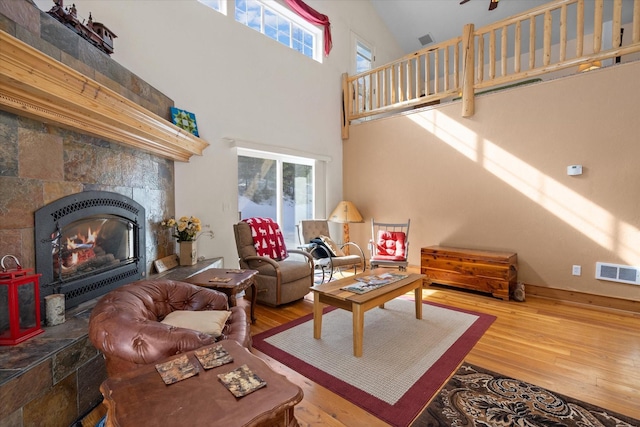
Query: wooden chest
[(484, 271)]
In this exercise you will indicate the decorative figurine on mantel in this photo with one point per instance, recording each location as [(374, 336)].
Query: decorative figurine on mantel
[(94, 32)]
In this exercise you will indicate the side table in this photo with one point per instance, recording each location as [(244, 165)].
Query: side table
[(141, 398), (232, 282)]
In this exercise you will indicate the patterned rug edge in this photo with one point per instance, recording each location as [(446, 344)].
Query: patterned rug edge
[(496, 399)]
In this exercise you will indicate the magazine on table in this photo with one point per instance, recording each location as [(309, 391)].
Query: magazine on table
[(241, 381), (176, 369), (210, 357), (372, 282)]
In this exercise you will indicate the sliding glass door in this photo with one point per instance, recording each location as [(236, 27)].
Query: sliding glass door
[(276, 186)]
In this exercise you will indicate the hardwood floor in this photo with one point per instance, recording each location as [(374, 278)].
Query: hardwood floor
[(584, 352)]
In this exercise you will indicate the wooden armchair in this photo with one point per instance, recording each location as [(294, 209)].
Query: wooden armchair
[(389, 244)]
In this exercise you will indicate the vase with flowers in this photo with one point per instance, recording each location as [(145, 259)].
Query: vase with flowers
[(185, 230)]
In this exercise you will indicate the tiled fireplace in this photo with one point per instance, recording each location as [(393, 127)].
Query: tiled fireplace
[(89, 243), (53, 379)]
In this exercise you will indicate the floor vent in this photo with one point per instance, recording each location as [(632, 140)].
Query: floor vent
[(618, 273)]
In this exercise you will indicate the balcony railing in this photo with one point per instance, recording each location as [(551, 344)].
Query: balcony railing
[(550, 38)]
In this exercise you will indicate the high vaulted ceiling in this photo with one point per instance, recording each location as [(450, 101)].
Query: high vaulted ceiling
[(408, 20)]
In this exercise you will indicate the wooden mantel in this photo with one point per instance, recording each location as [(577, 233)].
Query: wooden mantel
[(34, 85)]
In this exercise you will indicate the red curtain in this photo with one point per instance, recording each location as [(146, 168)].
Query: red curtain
[(314, 17)]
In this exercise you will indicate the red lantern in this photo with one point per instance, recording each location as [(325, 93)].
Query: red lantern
[(19, 304)]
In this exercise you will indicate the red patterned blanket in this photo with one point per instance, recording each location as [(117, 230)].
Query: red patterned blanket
[(267, 238)]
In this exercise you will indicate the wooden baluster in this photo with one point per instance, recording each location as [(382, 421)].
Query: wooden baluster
[(446, 69), (532, 42), (410, 80), (427, 74), (517, 47), (378, 88), (616, 37), (636, 22), (436, 71), (503, 49), (580, 28), (402, 82), (456, 65), (597, 26), (492, 54), (467, 87), (369, 92), (392, 84), (480, 57), (416, 78), (563, 33)]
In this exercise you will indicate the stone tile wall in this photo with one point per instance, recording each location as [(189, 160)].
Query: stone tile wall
[(53, 379)]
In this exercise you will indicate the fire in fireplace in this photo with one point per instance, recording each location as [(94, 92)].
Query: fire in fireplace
[(88, 244)]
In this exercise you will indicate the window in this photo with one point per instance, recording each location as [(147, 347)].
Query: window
[(219, 5), (281, 25), (364, 57), (276, 186), (363, 61)]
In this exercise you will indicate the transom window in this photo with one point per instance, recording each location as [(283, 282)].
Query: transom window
[(281, 25)]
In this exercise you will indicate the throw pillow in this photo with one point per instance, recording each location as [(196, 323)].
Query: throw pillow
[(335, 249), (206, 321), (321, 250)]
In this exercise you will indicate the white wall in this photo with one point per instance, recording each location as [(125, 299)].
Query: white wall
[(498, 180), (240, 85)]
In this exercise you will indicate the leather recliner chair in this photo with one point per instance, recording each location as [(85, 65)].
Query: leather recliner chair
[(125, 323)]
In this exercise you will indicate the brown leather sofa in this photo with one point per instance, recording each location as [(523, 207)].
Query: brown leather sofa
[(125, 324)]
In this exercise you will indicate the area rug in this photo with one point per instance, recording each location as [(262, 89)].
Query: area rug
[(478, 397), (404, 363)]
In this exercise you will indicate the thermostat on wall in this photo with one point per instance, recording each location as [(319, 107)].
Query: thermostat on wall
[(574, 170)]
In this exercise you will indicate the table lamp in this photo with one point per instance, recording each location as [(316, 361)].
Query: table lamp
[(345, 213)]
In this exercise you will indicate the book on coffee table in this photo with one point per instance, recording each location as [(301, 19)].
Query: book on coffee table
[(177, 369), (220, 279), (212, 357), (373, 282), (241, 381)]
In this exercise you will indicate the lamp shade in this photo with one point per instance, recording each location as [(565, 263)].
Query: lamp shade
[(345, 213)]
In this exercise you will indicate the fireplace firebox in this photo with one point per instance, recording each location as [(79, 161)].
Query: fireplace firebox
[(88, 244)]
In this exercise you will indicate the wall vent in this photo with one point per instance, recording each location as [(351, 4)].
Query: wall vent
[(426, 39), (618, 273)]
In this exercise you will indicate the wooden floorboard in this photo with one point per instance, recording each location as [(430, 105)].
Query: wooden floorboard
[(585, 352), (579, 350)]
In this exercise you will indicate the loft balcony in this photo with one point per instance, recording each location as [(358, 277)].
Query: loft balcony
[(550, 41)]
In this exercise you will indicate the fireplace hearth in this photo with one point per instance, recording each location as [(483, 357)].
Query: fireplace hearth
[(87, 244)]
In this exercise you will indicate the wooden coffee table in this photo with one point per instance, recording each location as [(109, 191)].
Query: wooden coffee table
[(239, 280), (332, 294), (141, 398)]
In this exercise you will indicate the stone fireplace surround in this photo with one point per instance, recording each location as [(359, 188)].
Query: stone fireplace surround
[(53, 379)]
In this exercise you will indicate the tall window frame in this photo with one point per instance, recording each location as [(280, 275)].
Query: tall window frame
[(217, 5), (364, 55), (282, 25), (363, 59), (286, 216)]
